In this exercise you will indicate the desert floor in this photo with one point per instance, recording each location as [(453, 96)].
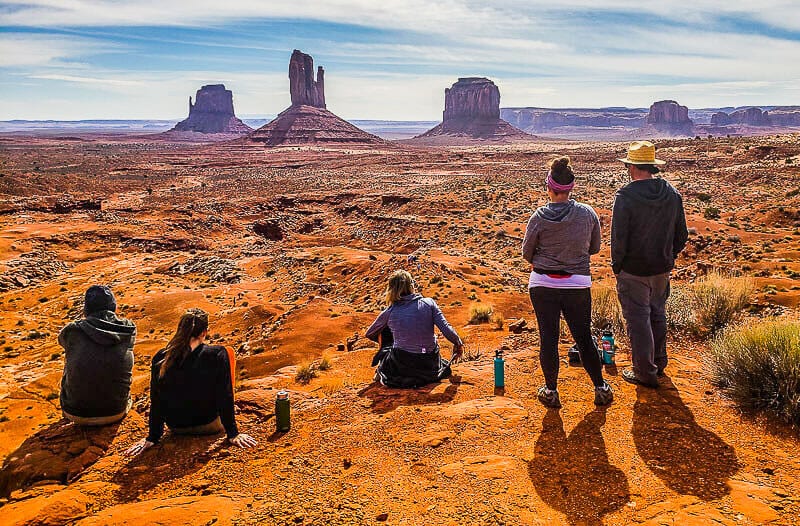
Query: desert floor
[(289, 250)]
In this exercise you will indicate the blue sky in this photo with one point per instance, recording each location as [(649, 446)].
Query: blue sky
[(84, 59)]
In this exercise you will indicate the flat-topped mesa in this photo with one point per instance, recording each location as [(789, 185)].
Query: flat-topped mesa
[(212, 112), (471, 98), (748, 116), (304, 89), (668, 115), (472, 110)]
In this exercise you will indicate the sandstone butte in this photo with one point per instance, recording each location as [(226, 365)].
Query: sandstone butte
[(307, 121), (472, 110), (670, 117), (212, 112), (289, 250)]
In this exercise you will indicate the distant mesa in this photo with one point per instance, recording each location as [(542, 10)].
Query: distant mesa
[(307, 121), (472, 109), (212, 112), (670, 117), (748, 116)]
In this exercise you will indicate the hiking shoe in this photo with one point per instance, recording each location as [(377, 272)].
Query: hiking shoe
[(548, 398), (629, 376), (603, 395)]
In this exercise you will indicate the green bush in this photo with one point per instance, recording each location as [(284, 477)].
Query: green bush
[(758, 366)]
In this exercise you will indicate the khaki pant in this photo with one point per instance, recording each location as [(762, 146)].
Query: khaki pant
[(97, 420), (212, 428)]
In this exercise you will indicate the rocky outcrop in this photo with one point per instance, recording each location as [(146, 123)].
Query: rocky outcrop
[(472, 109), (212, 112), (470, 99), (669, 116), (543, 120), (304, 89), (307, 121), (748, 116)]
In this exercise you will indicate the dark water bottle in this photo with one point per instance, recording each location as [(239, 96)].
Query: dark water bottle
[(608, 347), (282, 421), (499, 369)]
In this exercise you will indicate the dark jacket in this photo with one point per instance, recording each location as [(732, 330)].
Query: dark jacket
[(98, 362), (561, 237), (192, 393), (648, 228)]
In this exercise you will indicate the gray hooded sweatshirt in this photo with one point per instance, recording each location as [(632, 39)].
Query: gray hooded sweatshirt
[(561, 237), (98, 365)]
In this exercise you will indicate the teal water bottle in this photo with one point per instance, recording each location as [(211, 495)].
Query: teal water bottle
[(499, 369), (282, 421), (608, 347)]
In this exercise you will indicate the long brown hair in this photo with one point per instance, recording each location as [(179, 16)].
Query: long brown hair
[(191, 325), (400, 284)]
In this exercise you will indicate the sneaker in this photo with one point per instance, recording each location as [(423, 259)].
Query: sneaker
[(548, 398), (629, 376), (603, 395)]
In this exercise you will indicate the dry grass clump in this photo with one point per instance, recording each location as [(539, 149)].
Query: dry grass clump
[(498, 320), (709, 304), (606, 310), (324, 364), (472, 352), (758, 366), (305, 373), (480, 313)]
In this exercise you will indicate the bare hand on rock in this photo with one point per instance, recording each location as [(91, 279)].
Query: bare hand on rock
[(243, 441), (138, 447)]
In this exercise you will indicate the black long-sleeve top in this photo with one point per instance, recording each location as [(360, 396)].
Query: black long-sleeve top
[(192, 393)]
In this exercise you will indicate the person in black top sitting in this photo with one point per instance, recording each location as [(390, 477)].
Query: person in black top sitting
[(191, 387)]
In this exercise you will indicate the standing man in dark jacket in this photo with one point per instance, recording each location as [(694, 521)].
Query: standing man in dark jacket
[(96, 384), (648, 231)]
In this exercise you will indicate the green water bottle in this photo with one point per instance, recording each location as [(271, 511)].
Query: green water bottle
[(499, 369), (282, 422)]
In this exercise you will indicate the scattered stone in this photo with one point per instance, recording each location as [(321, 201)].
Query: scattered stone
[(217, 269)]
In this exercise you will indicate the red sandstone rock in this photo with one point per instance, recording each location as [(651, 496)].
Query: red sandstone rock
[(212, 112), (303, 88), (310, 125), (668, 115), (59, 508), (749, 116), (307, 121), (472, 109)]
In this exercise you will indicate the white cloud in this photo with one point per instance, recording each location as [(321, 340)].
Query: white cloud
[(25, 49)]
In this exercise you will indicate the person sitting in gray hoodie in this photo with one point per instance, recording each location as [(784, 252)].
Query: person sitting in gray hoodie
[(96, 384)]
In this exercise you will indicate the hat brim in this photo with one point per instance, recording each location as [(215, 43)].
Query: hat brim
[(631, 161)]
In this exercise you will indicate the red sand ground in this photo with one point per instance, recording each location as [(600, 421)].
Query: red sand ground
[(454, 453)]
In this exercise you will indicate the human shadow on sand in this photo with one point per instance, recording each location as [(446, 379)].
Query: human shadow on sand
[(386, 399), (572, 473), (689, 459), (57, 454), (175, 457)]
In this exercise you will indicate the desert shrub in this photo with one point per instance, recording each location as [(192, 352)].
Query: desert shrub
[(758, 366), (717, 299), (324, 364), (305, 373), (711, 212), (680, 312), (606, 310), (472, 352), (498, 320), (480, 313)]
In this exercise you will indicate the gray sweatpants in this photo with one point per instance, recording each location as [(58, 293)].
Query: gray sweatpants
[(643, 300)]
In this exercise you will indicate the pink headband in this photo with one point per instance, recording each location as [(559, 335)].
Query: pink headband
[(554, 186)]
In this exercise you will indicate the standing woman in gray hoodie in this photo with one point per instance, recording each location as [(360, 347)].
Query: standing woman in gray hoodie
[(559, 240)]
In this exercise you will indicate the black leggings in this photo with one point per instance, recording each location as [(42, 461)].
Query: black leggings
[(576, 304)]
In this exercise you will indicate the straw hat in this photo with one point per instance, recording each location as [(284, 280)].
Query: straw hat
[(641, 152)]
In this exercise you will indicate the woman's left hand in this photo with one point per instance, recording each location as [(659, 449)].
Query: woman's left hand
[(243, 441)]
